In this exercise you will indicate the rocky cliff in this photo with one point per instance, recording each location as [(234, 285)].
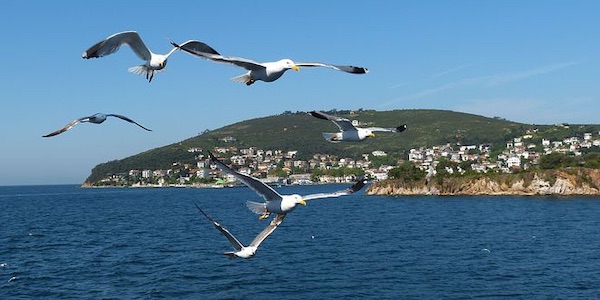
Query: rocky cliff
[(577, 181)]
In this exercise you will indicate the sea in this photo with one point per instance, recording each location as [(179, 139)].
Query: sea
[(68, 242)]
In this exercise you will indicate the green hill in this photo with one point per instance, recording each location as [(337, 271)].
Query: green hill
[(302, 132)]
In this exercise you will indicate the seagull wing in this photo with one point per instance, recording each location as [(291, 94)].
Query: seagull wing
[(128, 120), (245, 63), (232, 239), (67, 127), (397, 129), (267, 231), (256, 185), (112, 43), (357, 186), (343, 123), (196, 48), (347, 69), (200, 49)]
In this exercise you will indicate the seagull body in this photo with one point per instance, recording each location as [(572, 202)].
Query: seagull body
[(242, 251), (275, 202), (267, 72), (153, 62), (96, 119), (349, 132)]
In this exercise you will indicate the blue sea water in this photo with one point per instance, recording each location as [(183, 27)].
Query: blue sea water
[(61, 242)]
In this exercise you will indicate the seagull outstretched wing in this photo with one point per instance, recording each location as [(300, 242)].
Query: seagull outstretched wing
[(357, 186), (67, 127), (128, 120), (112, 44), (256, 185), (347, 69), (203, 50), (342, 123), (397, 129), (267, 231), (237, 245)]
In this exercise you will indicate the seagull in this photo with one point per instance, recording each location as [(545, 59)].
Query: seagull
[(267, 72), (96, 119), (275, 202), (241, 250), (348, 132), (154, 62)]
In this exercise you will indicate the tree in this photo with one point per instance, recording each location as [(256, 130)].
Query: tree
[(444, 163), (556, 161), (279, 172), (592, 160), (407, 172)]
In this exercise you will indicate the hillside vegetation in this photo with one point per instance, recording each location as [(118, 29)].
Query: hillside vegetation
[(302, 132)]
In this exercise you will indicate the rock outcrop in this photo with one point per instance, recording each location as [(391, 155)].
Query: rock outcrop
[(577, 181)]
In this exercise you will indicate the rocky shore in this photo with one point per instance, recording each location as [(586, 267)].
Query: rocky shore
[(568, 182)]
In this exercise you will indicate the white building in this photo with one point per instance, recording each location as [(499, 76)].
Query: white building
[(379, 153), (513, 161)]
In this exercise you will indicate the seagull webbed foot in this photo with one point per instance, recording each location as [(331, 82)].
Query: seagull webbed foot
[(265, 215)]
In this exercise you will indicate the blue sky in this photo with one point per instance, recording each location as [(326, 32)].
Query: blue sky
[(526, 61)]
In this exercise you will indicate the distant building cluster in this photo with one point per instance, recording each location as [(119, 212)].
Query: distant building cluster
[(519, 153), (271, 166), (283, 167)]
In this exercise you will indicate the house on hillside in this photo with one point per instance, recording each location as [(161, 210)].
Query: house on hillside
[(513, 162)]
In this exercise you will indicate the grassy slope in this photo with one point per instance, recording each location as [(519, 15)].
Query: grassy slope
[(302, 132)]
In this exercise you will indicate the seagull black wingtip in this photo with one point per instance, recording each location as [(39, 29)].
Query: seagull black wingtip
[(317, 114), (358, 185), (175, 45), (359, 70), (200, 209)]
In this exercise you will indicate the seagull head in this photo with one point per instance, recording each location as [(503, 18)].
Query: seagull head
[(158, 62), (368, 133), (289, 202), (298, 200), (289, 64), (162, 64)]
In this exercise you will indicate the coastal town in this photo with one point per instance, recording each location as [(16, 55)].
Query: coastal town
[(280, 167)]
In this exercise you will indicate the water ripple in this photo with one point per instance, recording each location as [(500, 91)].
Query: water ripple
[(61, 242)]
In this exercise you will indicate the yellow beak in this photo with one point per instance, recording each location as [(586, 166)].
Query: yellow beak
[(295, 68), (302, 202), (372, 135)]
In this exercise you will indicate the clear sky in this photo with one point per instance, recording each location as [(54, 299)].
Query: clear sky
[(526, 61)]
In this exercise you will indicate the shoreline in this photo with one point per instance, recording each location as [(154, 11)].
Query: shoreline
[(569, 182)]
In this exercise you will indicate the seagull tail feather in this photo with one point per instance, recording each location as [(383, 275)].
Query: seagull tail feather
[(257, 208), (245, 78), (229, 254), (139, 70)]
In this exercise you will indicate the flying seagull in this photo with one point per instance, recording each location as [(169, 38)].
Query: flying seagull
[(241, 250), (348, 132), (275, 202), (96, 119), (268, 71), (154, 62)]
